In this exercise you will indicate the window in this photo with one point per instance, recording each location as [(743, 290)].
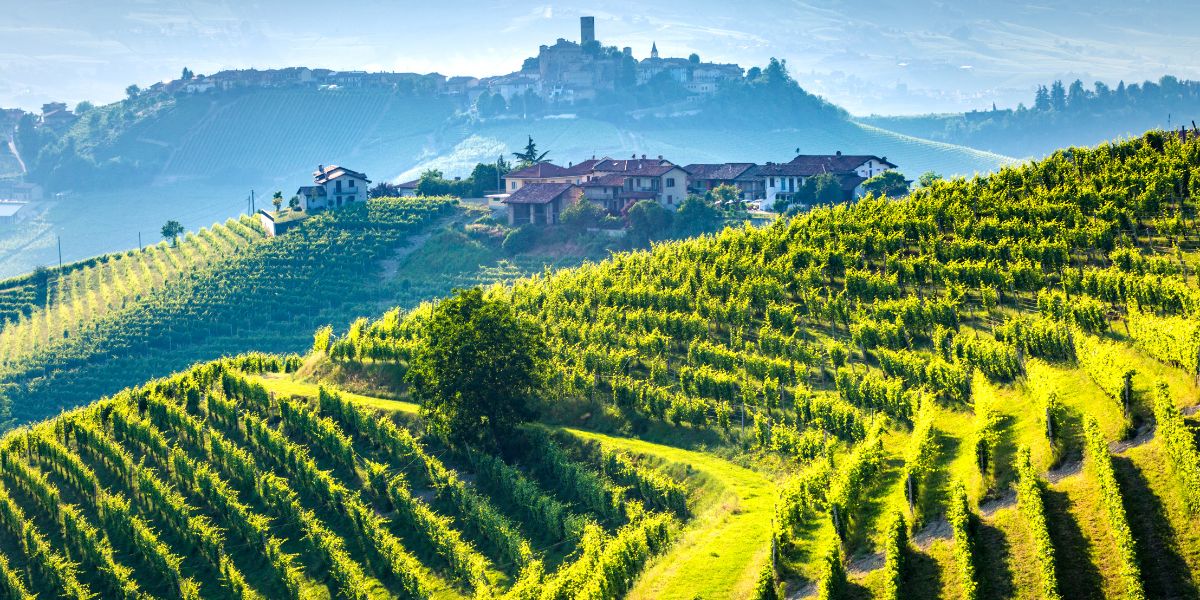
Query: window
[(339, 185), (670, 182), (670, 199), (512, 185), (351, 183), (772, 182)]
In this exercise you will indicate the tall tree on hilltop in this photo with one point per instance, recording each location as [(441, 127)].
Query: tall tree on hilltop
[(171, 230), (1058, 96), (1041, 100), (530, 155)]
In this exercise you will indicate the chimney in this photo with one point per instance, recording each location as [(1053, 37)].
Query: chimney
[(320, 168), (839, 152), (660, 157), (643, 157)]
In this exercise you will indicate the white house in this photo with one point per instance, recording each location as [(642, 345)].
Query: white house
[(851, 170), (334, 186)]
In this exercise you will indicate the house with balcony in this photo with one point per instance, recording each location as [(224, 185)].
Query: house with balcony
[(333, 187)]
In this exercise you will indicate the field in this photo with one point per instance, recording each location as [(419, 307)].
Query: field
[(983, 390)]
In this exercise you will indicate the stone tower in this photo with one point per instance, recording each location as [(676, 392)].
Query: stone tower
[(587, 30)]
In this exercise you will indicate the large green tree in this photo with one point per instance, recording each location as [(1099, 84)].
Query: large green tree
[(888, 183), (648, 220), (171, 230), (478, 369)]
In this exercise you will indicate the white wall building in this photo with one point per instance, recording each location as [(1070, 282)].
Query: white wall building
[(333, 187)]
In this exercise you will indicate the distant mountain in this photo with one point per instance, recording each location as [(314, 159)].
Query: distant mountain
[(1062, 114)]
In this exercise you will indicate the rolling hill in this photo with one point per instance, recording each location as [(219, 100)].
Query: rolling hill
[(983, 390), (196, 158)]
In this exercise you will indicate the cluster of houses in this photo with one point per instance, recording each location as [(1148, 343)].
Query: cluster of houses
[(564, 72), (539, 193)]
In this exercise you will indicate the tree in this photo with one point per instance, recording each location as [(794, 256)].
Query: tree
[(294, 203), (384, 189), (83, 107), (694, 59), (888, 183), (648, 220), (696, 216), (826, 189), (530, 155), (1041, 99), (187, 74), (171, 230), (277, 200), (727, 196), (132, 91), (1076, 95), (582, 215), (477, 369), (1058, 96), (928, 178)]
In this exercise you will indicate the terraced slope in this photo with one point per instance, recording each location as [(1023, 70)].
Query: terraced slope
[(93, 328), (207, 485), (965, 368)]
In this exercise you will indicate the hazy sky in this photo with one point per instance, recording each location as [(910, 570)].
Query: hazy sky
[(872, 57)]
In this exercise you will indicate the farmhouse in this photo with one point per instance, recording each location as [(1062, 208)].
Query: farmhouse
[(540, 203), (851, 170), (703, 178), (334, 186)]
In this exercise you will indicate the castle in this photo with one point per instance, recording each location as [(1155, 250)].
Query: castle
[(568, 71)]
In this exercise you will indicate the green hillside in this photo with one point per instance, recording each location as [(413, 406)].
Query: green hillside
[(195, 158), (91, 328), (978, 391)]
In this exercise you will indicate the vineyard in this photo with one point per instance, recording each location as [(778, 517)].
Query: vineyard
[(960, 385), (984, 390), (223, 290)]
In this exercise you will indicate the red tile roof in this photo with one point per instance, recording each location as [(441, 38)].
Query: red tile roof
[(634, 164), (834, 163), (584, 167), (331, 172), (720, 172), (538, 171), (543, 193)]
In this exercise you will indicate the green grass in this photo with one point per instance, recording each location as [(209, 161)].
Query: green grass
[(726, 542)]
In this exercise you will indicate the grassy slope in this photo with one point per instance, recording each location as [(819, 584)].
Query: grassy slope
[(727, 541)]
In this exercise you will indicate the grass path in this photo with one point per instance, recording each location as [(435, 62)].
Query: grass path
[(720, 551), (723, 547)]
